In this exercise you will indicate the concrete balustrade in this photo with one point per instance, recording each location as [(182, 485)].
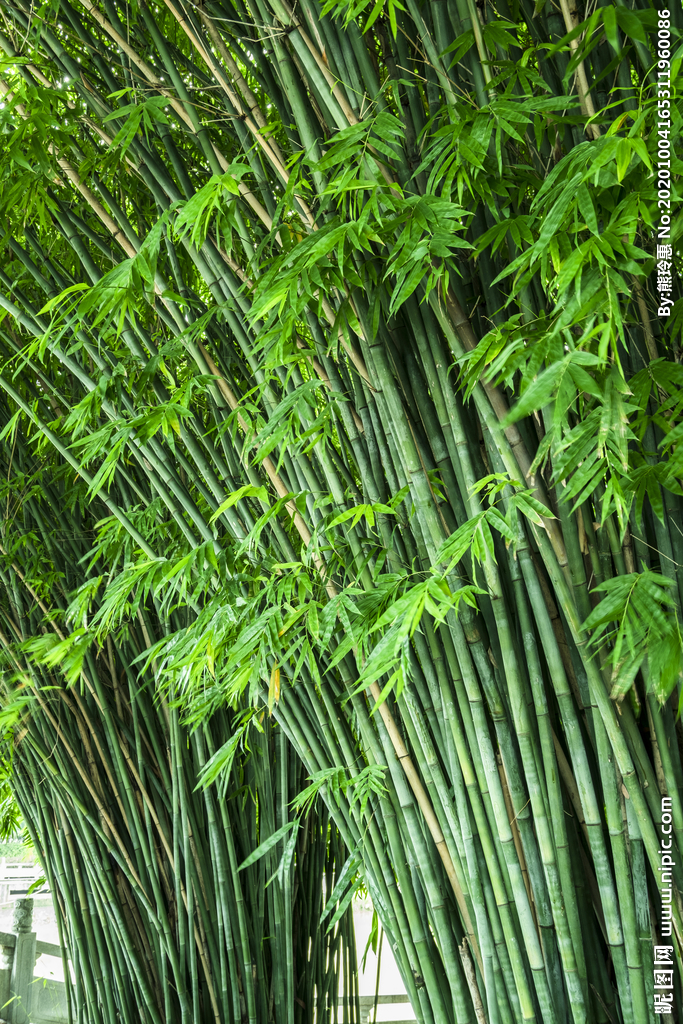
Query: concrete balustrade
[(25, 999)]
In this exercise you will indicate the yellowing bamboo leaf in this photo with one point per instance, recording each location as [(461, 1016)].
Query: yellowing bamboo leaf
[(274, 689)]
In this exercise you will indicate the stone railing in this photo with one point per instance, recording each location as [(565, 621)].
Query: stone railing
[(367, 1004), (23, 997)]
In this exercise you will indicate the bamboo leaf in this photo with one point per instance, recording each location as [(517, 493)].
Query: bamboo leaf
[(247, 491), (267, 845)]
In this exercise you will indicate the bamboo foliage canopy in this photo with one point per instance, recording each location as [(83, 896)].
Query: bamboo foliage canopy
[(341, 461)]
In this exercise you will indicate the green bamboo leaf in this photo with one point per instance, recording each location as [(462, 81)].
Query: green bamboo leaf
[(247, 491), (59, 300), (460, 46), (312, 619), (623, 157), (458, 544), (532, 508), (10, 427), (267, 845), (631, 24), (220, 763), (287, 856), (346, 878), (609, 20)]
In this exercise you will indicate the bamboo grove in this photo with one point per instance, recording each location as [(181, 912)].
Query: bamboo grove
[(342, 535)]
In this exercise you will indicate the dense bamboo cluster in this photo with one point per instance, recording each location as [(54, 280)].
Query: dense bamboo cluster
[(155, 912), (342, 477)]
